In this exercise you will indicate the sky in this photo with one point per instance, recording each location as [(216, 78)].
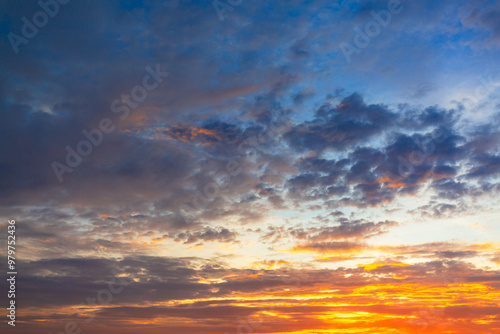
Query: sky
[(236, 166)]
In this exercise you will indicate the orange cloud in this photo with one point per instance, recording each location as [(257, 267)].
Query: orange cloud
[(190, 134)]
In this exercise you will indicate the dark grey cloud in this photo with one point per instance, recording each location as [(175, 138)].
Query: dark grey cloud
[(207, 234), (440, 210), (341, 127), (344, 233), (64, 80)]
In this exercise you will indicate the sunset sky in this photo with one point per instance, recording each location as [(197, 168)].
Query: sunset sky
[(237, 166)]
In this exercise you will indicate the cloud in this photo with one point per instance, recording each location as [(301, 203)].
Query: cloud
[(341, 127), (346, 230), (207, 234), (339, 247), (259, 127)]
